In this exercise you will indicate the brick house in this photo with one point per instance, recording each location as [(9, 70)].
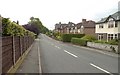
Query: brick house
[(84, 27), (108, 28), (64, 28)]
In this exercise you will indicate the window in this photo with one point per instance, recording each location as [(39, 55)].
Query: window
[(100, 36), (110, 37), (116, 36), (110, 23), (72, 24), (75, 27), (101, 26), (116, 25)]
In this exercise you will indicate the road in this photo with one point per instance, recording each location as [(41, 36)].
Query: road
[(59, 57)]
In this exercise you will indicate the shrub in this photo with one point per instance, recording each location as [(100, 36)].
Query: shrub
[(89, 38), (113, 42), (55, 34), (79, 41), (13, 29), (68, 37), (100, 41), (59, 38)]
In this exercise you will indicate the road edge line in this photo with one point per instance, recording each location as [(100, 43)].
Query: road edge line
[(40, 69)]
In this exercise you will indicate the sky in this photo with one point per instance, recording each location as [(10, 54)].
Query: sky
[(51, 12)]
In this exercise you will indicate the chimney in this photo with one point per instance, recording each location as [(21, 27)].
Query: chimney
[(17, 22), (60, 23), (83, 20)]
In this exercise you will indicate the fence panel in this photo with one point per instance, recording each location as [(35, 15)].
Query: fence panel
[(20, 44), (17, 48), (7, 53)]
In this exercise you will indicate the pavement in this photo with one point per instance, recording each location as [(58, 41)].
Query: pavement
[(59, 57), (31, 63)]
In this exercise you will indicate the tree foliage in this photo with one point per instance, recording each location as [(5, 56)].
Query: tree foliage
[(13, 29), (36, 26)]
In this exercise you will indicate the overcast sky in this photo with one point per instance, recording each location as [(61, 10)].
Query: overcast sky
[(51, 12)]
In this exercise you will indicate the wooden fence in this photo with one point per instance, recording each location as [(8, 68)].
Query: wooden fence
[(12, 49)]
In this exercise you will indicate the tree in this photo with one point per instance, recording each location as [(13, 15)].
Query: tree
[(35, 23)]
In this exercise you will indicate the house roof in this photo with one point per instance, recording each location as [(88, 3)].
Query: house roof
[(86, 24), (89, 24), (115, 16)]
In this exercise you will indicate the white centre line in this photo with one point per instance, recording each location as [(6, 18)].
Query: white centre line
[(101, 69), (71, 53), (57, 47)]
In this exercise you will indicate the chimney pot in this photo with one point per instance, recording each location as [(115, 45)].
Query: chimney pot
[(83, 20)]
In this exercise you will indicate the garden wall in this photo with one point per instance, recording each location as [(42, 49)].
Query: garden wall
[(113, 48)]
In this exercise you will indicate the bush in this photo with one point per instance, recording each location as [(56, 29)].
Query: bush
[(59, 38), (100, 41), (79, 41), (89, 38), (68, 37), (55, 34), (113, 42), (13, 29)]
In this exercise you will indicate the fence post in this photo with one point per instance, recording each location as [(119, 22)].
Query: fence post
[(20, 46), (13, 40)]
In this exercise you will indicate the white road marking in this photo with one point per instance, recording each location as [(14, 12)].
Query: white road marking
[(101, 69), (40, 70), (57, 47), (71, 53)]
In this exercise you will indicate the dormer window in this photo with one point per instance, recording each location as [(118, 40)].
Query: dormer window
[(110, 23), (61, 27), (75, 27), (82, 27), (101, 26), (72, 24), (116, 25)]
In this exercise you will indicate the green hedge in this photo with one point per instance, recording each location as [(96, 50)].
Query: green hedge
[(111, 42), (68, 37), (89, 38), (79, 41), (13, 29)]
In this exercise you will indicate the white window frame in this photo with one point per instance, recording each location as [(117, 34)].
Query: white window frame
[(101, 26), (113, 37), (100, 37), (111, 23)]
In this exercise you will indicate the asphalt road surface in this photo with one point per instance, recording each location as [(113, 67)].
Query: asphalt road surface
[(59, 57)]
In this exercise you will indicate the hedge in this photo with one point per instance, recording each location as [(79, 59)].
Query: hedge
[(13, 29), (68, 37), (79, 41), (89, 38)]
